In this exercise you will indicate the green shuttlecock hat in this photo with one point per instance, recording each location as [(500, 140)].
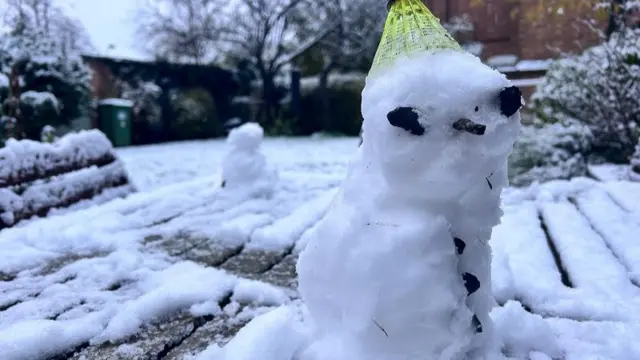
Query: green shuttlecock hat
[(410, 28)]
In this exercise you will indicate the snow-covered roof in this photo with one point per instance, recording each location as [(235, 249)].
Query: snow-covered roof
[(116, 102)]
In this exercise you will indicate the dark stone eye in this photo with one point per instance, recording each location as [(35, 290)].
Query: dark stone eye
[(406, 118), (477, 109), (510, 101)]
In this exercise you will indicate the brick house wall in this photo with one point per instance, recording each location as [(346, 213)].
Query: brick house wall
[(504, 28)]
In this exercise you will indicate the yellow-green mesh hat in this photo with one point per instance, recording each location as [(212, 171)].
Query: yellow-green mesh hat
[(410, 28)]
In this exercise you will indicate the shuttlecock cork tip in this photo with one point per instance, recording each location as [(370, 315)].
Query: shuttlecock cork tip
[(410, 28)]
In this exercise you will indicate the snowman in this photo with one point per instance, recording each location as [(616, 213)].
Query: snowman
[(399, 268), (244, 167)]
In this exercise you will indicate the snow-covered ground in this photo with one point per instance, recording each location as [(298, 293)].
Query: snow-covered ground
[(180, 251), (154, 166)]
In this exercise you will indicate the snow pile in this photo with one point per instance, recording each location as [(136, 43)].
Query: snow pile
[(382, 274), (634, 171), (244, 167)]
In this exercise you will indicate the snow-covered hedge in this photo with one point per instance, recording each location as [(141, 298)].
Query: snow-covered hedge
[(38, 109), (27, 160), (550, 151), (600, 88)]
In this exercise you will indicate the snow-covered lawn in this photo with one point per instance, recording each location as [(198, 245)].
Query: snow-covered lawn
[(179, 266)]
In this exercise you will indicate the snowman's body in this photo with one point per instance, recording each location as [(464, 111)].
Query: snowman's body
[(383, 274)]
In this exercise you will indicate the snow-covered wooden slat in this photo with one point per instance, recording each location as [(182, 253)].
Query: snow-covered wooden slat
[(584, 253), (616, 226), (38, 199), (25, 161), (524, 264)]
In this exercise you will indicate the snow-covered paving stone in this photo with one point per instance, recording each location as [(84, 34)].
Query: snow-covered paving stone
[(617, 227)]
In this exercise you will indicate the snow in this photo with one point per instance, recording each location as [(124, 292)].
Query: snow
[(116, 102), (609, 172), (67, 266), (252, 343), (283, 233), (499, 61), (38, 98), (380, 274)]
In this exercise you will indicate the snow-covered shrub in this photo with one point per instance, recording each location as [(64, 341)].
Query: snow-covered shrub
[(195, 115), (37, 110), (634, 171), (44, 66), (144, 95), (344, 98), (600, 87), (550, 151)]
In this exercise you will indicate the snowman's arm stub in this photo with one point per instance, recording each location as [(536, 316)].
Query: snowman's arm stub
[(510, 101)]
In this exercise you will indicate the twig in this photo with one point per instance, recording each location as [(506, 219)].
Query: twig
[(381, 328)]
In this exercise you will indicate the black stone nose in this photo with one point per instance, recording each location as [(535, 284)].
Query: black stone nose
[(510, 101)]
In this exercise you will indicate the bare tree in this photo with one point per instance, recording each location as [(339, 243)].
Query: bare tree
[(354, 29), (182, 30), (46, 17), (263, 32)]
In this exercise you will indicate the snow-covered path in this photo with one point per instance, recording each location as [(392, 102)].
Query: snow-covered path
[(171, 270)]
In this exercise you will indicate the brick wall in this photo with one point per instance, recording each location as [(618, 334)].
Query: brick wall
[(508, 27)]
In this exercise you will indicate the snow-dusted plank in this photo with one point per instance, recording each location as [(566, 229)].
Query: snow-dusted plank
[(618, 228), (83, 184), (26, 160), (584, 254), (284, 233), (625, 194), (521, 246)]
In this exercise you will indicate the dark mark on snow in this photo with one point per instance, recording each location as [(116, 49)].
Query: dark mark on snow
[(460, 245), (564, 274)]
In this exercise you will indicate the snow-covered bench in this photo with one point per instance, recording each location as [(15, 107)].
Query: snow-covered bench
[(37, 177)]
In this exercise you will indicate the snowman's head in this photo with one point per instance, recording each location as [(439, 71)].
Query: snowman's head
[(437, 124), (246, 137)]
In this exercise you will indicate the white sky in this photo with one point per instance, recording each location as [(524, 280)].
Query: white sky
[(109, 22)]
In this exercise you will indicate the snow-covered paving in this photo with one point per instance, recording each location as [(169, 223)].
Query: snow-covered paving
[(176, 263)]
